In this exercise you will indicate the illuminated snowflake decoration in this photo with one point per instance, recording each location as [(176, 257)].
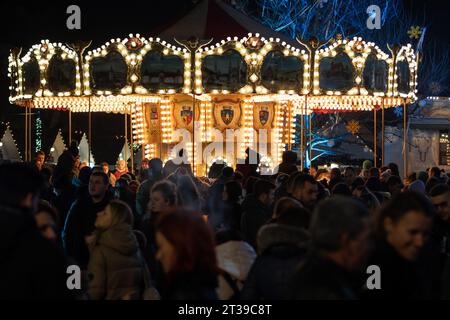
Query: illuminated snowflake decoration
[(398, 111), (414, 32), (353, 127), (322, 3), (435, 88)]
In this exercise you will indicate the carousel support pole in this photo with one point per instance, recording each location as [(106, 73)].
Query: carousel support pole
[(89, 131), (126, 137), (30, 127), (404, 140), (194, 170), (375, 137), (310, 139), (289, 105), (302, 122), (70, 126), (132, 148), (26, 134), (382, 134)]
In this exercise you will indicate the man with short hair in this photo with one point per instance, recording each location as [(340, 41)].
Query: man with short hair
[(39, 160), (338, 250), (111, 176), (258, 210), (313, 170), (305, 190), (394, 185), (31, 267), (81, 218), (349, 175), (440, 237)]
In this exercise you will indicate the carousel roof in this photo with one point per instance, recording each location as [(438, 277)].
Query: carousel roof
[(207, 20), (341, 75)]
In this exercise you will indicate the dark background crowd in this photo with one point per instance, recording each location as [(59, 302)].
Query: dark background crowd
[(164, 233)]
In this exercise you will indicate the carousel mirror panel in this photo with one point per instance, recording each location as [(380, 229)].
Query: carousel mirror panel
[(61, 74), (31, 76), (109, 72), (375, 74), (279, 72), (225, 72), (336, 73), (160, 71)]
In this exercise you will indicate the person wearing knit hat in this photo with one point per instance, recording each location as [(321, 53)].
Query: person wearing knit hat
[(367, 164)]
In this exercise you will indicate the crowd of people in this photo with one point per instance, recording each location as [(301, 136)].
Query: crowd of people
[(165, 233)]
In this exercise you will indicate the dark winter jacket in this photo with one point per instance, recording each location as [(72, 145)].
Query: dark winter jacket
[(63, 201), (143, 194), (319, 278), (192, 286), (232, 216), (281, 249), (435, 257), (215, 205), (400, 278), (31, 267), (80, 222), (253, 218)]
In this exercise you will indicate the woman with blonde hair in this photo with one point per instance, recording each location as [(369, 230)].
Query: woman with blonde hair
[(116, 269)]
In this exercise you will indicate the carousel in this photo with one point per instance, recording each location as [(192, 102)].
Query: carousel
[(190, 94)]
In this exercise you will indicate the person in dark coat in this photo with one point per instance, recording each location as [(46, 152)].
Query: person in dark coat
[(31, 267), (288, 164), (215, 204), (402, 228), (155, 174), (163, 199), (306, 190), (231, 196), (62, 178), (335, 178), (81, 218), (258, 211), (440, 239), (187, 254), (282, 246), (339, 247)]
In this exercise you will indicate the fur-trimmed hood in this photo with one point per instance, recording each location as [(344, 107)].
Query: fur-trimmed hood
[(236, 258), (278, 234)]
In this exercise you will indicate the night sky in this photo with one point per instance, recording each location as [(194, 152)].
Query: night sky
[(24, 24)]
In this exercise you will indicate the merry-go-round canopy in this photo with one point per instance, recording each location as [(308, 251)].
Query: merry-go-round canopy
[(248, 83), (340, 75)]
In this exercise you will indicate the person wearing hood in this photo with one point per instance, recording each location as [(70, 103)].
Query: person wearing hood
[(282, 245), (234, 258), (31, 267), (116, 268)]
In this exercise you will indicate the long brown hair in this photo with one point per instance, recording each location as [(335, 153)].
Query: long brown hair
[(193, 241)]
